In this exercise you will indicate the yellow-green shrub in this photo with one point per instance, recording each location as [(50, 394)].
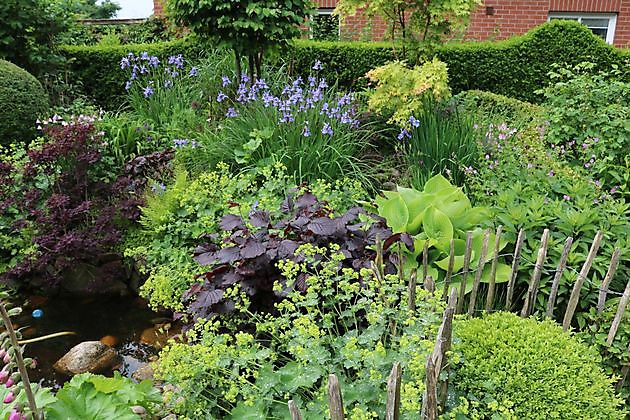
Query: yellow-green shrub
[(522, 368), (399, 89)]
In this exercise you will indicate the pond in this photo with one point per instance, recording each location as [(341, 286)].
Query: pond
[(126, 324)]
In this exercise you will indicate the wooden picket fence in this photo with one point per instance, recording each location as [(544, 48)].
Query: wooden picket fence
[(434, 396)]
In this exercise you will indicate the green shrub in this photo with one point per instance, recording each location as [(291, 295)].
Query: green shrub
[(512, 367), (589, 125), (399, 91), (487, 107), (22, 101), (98, 67)]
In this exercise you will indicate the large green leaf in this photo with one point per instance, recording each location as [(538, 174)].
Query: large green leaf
[(395, 211), (437, 226), (86, 403), (438, 185)]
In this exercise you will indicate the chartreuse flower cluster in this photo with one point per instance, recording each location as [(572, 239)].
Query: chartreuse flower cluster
[(248, 365)]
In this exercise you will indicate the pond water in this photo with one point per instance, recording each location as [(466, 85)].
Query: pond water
[(127, 324)]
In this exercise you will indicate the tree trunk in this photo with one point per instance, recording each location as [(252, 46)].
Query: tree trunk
[(237, 57)]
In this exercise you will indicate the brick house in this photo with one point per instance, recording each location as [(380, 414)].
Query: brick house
[(495, 19)]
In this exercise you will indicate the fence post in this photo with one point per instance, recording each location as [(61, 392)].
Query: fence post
[(462, 287), (530, 299), (429, 284), (436, 359), (603, 291), (575, 294), (411, 293), (515, 262), (624, 375), (449, 271), (335, 400), (294, 411), (480, 266), (621, 311), (392, 411), (493, 270), (558, 276), (425, 261)]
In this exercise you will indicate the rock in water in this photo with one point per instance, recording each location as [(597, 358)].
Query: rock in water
[(89, 356)]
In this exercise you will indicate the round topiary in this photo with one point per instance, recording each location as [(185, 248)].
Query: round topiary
[(514, 368), (22, 101)]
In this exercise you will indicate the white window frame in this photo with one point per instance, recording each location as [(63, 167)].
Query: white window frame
[(578, 16), (329, 12)]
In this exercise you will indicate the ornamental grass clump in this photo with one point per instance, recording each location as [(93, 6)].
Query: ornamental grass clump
[(310, 127), (510, 367), (162, 90)]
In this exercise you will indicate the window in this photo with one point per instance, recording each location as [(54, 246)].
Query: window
[(325, 26), (602, 24)]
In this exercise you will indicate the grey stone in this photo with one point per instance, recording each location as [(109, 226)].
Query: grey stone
[(88, 356)]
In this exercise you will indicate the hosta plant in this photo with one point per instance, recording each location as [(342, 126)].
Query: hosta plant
[(435, 216)]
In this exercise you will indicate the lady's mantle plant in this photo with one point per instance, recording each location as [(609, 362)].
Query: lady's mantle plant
[(334, 319)]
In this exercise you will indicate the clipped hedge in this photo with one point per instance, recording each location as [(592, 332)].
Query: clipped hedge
[(486, 107), (22, 101), (513, 367), (98, 67), (516, 67)]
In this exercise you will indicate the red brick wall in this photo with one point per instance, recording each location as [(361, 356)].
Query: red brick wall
[(509, 17), (515, 17)]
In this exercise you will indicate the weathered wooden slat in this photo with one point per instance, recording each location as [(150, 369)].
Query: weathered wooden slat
[(579, 281), (621, 310), (425, 261), (429, 284), (558, 276), (411, 292), (462, 288), (392, 410), (624, 375), (603, 290), (335, 400), (515, 263), (429, 397), (449, 270), (493, 270), (294, 411), (480, 265), (532, 291)]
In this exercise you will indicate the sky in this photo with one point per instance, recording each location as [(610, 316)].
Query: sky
[(134, 9)]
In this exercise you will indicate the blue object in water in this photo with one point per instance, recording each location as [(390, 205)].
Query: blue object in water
[(38, 313)]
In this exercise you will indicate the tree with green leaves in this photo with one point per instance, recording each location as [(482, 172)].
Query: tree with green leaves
[(424, 21), (28, 31), (249, 27), (90, 9)]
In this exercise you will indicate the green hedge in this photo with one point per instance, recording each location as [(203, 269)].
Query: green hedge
[(98, 67), (516, 67), (22, 101)]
